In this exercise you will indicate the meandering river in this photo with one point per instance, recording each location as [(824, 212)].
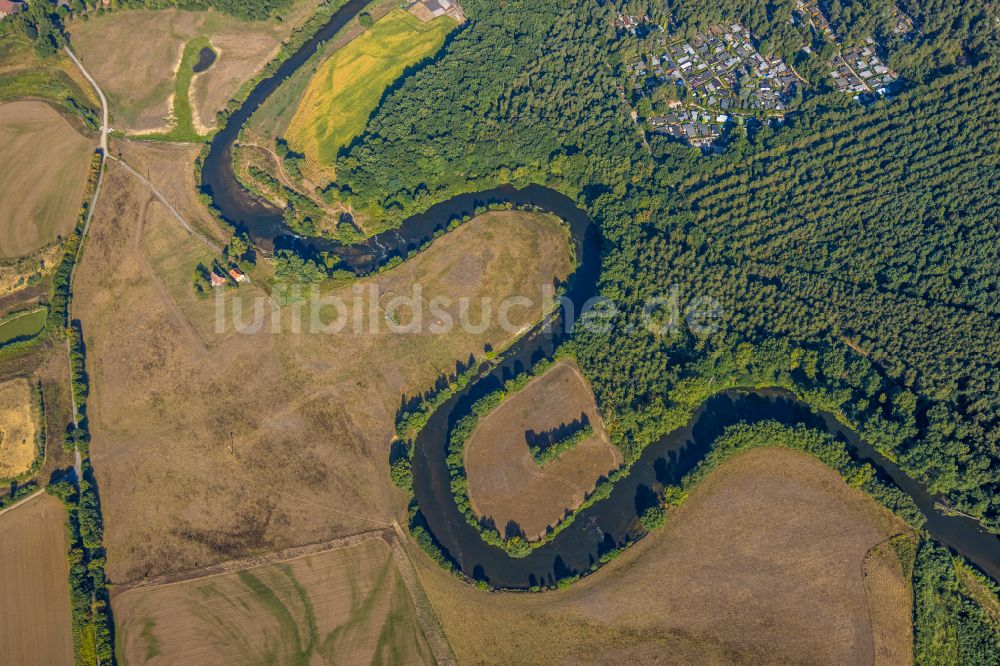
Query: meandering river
[(608, 523)]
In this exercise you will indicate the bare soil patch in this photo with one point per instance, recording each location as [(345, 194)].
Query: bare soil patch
[(762, 564), (214, 450), (346, 605), (35, 623), (505, 482), (45, 176), (18, 428)]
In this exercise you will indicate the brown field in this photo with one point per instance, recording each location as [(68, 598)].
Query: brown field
[(34, 576), (252, 442), (138, 74), (890, 603), (18, 428), (505, 482), (45, 176), (347, 605), (762, 564)]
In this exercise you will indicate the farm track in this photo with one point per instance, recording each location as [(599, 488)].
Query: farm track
[(173, 211), (253, 561), (393, 535), (22, 501)]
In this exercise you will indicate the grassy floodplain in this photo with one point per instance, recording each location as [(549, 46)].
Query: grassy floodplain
[(791, 537), (183, 126), (295, 451), (347, 88), (142, 74)]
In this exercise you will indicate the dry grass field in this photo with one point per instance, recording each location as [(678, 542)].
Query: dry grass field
[(347, 87), (348, 605), (45, 176), (252, 442), (762, 564), (18, 428), (35, 624), (505, 482), (138, 74), (27, 270), (890, 600)]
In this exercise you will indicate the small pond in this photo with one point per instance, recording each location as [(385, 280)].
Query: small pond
[(206, 58), (23, 326)]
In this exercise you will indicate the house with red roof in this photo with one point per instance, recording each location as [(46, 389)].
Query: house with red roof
[(8, 7)]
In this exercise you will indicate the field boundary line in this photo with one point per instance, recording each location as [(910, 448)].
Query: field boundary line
[(437, 640), (252, 562), (22, 501)]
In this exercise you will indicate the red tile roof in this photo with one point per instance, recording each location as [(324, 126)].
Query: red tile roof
[(8, 7)]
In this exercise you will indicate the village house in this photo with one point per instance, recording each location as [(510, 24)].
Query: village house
[(9, 7), (216, 279), (238, 275)]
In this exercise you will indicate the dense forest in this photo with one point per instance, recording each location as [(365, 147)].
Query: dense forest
[(853, 249)]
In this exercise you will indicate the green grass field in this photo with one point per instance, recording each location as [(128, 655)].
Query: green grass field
[(183, 129), (22, 326), (347, 88)]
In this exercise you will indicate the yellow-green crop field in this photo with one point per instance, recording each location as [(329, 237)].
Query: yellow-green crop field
[(347, 88)]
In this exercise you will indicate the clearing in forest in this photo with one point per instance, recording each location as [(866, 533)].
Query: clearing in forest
[(45, 176), (507, 484), (35, 624), (347, 88), (346, 605)]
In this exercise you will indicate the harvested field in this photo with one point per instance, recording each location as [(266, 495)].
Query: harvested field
[(347, 605), (138, 75), (251, 442), (35, 623), (505, 482), (347, 87), (890, 603), (18, 428), (761, 564), (46, 162)]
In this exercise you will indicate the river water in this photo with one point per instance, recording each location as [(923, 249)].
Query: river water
[(608, 523)]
